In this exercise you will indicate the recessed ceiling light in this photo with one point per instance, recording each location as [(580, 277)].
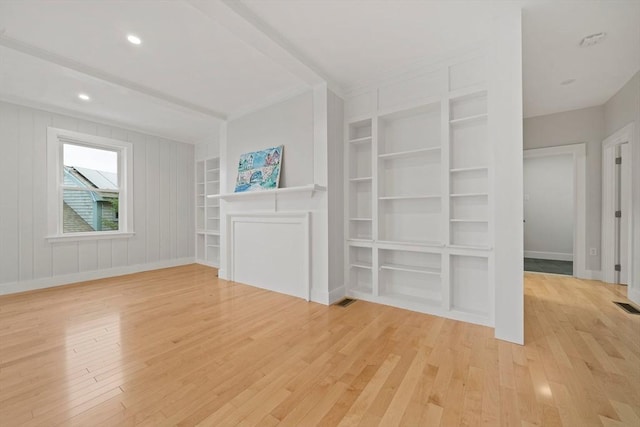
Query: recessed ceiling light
[(134, 39), (84, 97), (567, 82), (592, 39)]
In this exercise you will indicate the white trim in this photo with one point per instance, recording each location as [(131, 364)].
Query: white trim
[(56, 137), (593, 275), (248, 195), (100, 235), (300, 218), (556, 256), (328, 298), (633, 294), (578, 151), (624, 135), (50, 282)]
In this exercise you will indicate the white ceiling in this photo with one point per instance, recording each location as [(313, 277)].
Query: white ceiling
[(552, 31), (203, 60), (361, 41)]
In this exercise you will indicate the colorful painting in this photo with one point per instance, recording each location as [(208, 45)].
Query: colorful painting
[(259, 170)]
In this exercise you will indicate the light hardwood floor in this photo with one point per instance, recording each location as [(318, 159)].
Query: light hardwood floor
[(179, 347)]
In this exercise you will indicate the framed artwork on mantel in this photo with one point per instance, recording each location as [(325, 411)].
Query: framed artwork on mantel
[(259, 170)]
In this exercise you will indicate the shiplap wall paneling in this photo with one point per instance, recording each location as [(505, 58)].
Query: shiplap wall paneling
[(152, 195), (42, 260), (9, 202), (160, 218), (26, 201)]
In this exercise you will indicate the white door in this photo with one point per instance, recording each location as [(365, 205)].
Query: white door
[(625, 208)]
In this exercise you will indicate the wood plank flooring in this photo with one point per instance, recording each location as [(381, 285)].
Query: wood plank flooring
[(180, 347)]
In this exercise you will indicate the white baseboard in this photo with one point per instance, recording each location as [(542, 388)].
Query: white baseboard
[(633, 294), (592, 275), (337, 294), (328, 298), (207, 263), (556, 256), (50, 282)]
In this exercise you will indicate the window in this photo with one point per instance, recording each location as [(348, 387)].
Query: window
[(90, 191)]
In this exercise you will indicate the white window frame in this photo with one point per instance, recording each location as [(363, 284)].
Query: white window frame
[(56, 138)]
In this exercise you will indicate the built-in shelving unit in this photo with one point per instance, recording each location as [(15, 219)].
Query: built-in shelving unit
[(418, 204), (360, 187), (208, 212)]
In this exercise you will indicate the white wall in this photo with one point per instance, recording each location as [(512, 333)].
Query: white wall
[(288, 123), (548, 207), (163, 206), (505, 104), (209, 147), (571, 127), (335, 187), (622, 109), (302, 125)]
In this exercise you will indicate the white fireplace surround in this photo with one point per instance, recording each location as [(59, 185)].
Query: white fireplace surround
[(270, 250)]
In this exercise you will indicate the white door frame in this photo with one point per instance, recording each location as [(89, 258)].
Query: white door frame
[(624, 135), (578, 153)]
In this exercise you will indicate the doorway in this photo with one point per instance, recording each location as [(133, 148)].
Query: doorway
[(554, 210)]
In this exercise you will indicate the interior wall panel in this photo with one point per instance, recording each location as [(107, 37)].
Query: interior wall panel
[(9, 128), (162, 207)]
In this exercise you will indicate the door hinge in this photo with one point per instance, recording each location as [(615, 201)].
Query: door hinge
[(618, 214), (618, 160), (617, 267)]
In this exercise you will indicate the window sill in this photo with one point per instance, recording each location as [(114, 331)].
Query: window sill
[(77, 237)]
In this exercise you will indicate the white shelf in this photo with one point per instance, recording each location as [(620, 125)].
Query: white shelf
[(414, 243), (363, 140), (468, 220), (408, 153), (361, 265), (310, 189), (360, 219), (471, 169), (361, 179), (425, 196), (472, 247), (411, 269), (470, 195), (215, 181), (208, 232), (213, 246), (476, 117), (355, 240)]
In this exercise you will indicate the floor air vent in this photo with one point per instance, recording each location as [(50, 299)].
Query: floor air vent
[(345, 302), (627, 307)]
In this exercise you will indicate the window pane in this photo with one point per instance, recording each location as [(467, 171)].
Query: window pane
[(87, 211), (86, 167)]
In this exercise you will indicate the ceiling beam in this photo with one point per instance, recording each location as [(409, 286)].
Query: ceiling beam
[(98, 74), (246, 25)]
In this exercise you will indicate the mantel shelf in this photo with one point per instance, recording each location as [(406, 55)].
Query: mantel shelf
[(310, 189)]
